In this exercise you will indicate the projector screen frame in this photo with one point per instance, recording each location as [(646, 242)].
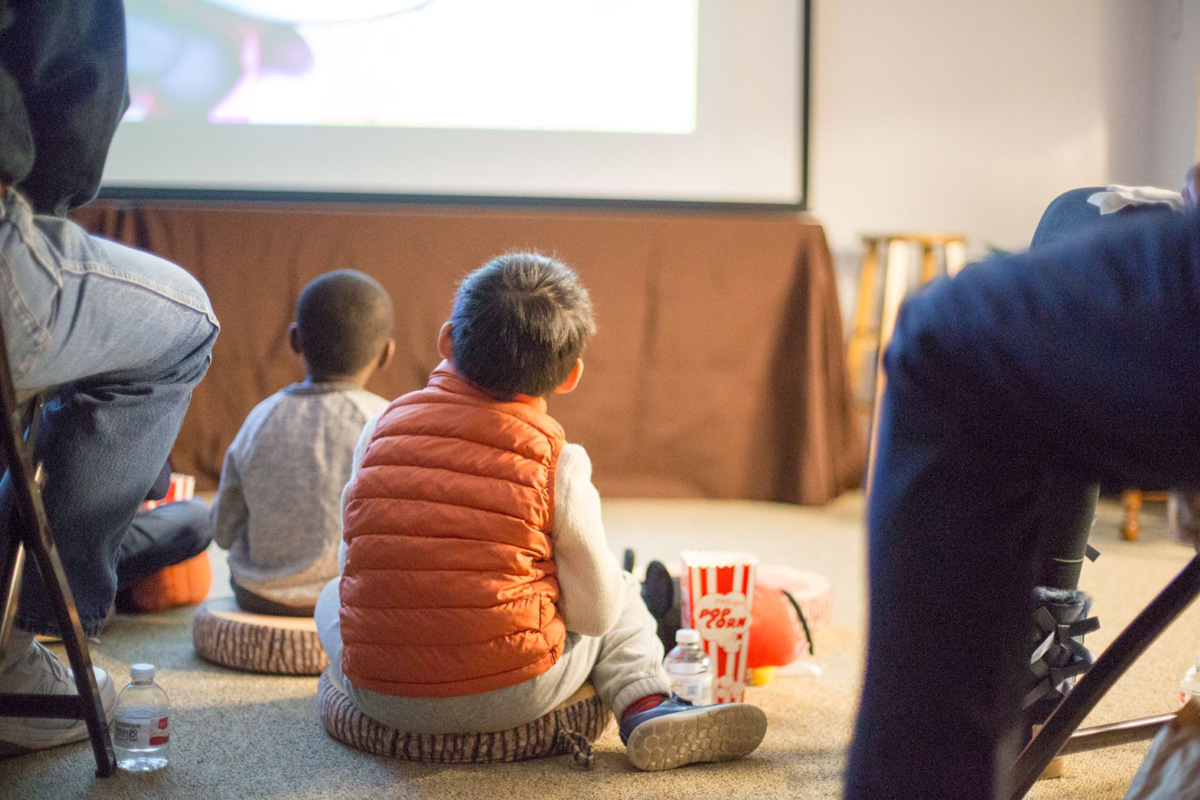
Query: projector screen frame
[(154, 194)]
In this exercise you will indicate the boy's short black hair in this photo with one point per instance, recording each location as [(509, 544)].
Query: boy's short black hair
[(519, 323), (344, 318)]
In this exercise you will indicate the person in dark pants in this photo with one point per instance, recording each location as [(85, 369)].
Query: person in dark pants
[(1056, 652), (159, 538), (1076, 362)]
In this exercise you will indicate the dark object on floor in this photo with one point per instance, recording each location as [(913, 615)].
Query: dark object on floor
[(661, 594)]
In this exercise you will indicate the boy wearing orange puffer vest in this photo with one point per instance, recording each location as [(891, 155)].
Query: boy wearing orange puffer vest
[(477, 590)]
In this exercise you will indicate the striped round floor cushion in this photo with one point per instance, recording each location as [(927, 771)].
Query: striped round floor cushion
[(224, 634), (568, 729)]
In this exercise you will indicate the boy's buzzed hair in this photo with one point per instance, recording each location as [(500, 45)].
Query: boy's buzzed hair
[(344, 319), (519, 324)]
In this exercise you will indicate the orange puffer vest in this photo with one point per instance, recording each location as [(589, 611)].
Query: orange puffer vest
[(449, 587)]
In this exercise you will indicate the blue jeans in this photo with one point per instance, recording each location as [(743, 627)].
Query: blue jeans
[(123, 336), (1070, 365)]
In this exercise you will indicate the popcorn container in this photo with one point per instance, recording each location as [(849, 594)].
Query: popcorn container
[(717, 589), (183, 487)]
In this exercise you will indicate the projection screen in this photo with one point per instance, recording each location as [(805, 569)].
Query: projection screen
[(693, 101)]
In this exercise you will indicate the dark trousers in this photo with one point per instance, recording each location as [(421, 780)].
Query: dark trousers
[(162, 537), (1012, 389), (257, 604)]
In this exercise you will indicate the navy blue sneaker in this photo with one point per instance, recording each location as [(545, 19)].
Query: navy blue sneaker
[(675, 732)]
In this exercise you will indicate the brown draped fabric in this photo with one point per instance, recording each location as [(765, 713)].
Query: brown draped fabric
[(718, 369)]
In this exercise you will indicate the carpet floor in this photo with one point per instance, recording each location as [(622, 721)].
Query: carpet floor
[(238, 735)]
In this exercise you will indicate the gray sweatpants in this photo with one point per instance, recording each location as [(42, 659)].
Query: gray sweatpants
[(624, 665)]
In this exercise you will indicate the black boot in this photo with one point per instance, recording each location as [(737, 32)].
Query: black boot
[(1057, 655)]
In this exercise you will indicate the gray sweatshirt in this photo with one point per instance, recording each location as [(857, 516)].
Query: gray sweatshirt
[(278, 508)]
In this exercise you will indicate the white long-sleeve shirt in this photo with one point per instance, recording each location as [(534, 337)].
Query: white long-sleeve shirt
[(590, 585)]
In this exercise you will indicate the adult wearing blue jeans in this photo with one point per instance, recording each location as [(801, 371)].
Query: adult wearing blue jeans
[(120, 335), (1079, 362)]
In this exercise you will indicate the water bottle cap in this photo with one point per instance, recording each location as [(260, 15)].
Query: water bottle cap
[(141, 672), (687, 636)]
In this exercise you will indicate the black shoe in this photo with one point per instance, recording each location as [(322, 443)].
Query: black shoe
[(661, 593), (1057, 656)]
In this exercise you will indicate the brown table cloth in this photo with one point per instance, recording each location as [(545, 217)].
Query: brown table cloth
[(718, 369)]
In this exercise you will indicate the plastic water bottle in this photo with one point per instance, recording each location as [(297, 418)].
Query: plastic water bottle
[(142, 727), (1189, 687), (689, 670)]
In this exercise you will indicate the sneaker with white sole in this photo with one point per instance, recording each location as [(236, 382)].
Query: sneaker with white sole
[(39, 671), (675, 732)]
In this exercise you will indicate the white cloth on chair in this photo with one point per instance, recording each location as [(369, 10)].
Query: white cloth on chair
[(1117, 197)]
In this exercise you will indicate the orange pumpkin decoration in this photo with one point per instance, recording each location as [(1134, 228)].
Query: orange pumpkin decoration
[(184, 584)]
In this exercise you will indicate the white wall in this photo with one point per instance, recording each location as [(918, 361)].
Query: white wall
[(1175, 39), (971, 117)]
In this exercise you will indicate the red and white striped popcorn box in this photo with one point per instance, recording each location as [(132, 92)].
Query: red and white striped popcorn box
[(717, 591), (183, 487)]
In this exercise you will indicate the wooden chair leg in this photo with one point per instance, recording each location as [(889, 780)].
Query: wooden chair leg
[(1130, 526)]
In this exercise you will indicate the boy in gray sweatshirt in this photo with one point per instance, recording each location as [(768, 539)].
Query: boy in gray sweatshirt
[(278, 508)]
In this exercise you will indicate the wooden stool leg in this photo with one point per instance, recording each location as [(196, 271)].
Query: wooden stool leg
[(895, 286), (929, 264), (864, 335), (1130, 526), (956, 257)]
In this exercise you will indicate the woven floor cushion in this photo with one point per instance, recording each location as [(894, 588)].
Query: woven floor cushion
[(568, 729), (226, 635)]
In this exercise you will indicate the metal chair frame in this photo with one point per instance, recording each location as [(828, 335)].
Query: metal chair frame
[(30, 535), (1059, 735)]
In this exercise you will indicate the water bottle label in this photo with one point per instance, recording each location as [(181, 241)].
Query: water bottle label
[(139, 732), (695, 691)]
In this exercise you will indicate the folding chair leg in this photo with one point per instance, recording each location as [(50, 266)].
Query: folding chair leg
[(86, 705), (80, 659), (13, 567), (28, 525), (1113, 662)]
